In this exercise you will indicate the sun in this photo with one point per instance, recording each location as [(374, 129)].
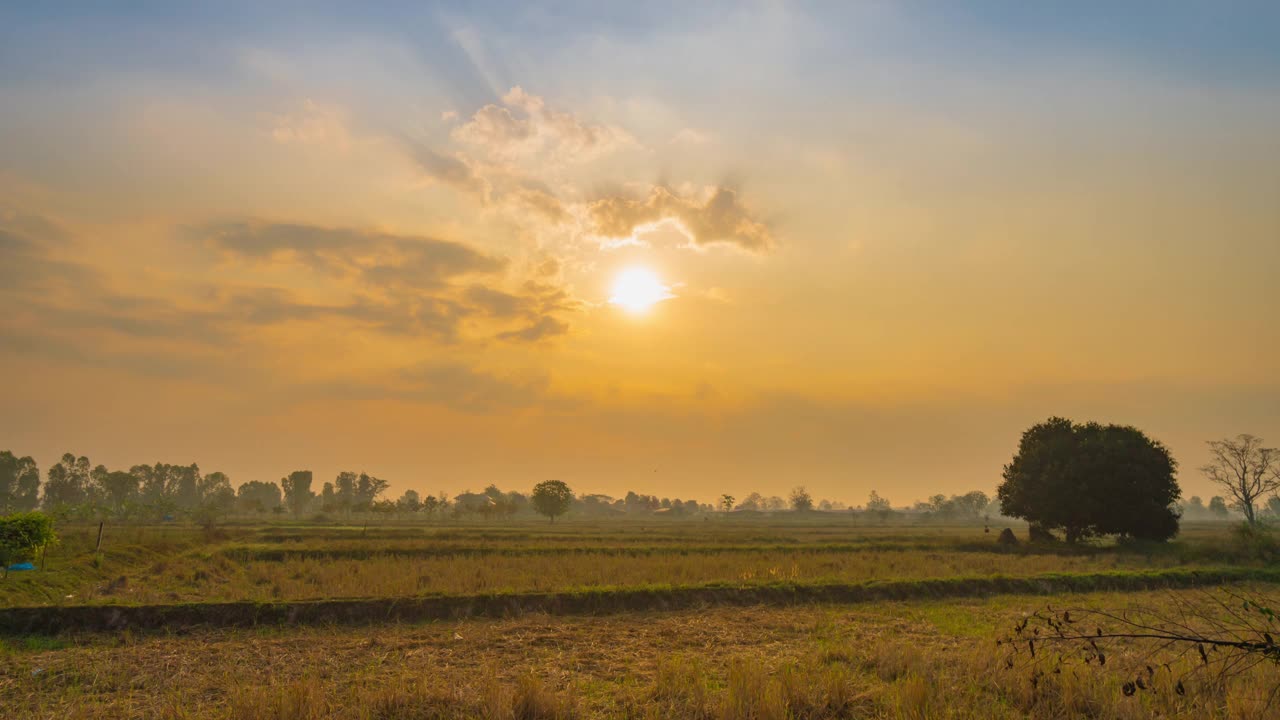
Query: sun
[(637, 289)]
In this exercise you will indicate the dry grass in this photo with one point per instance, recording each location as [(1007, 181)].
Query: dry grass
[(891, 660), (161, 565)]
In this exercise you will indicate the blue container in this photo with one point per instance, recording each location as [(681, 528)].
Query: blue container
[(21, 566)]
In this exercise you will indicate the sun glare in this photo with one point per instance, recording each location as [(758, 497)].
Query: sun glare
[(638, 289)]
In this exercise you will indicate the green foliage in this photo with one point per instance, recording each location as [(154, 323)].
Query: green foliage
[(22, 535), (1092, 479), (552, 498)]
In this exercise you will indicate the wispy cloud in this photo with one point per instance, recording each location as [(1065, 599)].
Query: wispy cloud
[(714, 216)]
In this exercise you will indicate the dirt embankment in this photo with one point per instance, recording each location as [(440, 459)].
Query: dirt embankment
[(174, 617)]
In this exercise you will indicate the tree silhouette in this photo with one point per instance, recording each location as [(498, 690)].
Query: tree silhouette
[(1092, 479), (19, 482), (551, 498), (297, 490), (801, 500), (1246, 470)]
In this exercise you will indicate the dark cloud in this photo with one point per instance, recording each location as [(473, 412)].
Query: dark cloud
[(409, 288), (498, 303), (447, 169), (29, 261), (379, 259), (719, 218), (546, 327)]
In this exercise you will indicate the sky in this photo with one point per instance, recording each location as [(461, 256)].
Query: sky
[(685, 249)]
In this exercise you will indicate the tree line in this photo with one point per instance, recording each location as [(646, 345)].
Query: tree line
[(1081, 479)]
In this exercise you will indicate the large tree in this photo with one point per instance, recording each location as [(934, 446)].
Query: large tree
[(297, 490), (1092, 479), (19, 483), (1246, 470), (552, 498)]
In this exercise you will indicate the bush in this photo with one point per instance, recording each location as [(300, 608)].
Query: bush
[(22, 535), (1256, 542)]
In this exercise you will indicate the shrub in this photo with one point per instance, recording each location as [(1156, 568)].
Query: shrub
[(22, 535)]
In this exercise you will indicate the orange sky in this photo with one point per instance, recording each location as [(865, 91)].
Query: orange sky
[(891, 240)]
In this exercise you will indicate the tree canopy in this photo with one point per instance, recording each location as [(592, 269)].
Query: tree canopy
[(552, 498), (22, 535), (1092, 479)]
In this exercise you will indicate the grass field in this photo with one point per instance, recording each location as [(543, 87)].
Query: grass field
[(764, 654)]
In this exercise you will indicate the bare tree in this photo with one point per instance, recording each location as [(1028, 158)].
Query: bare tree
[(1217, 636), (1246, 470)]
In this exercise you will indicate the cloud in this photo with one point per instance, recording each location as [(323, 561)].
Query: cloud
[(717, 217), (29, 248), (545, 327), (447, 169), (524, 126), (406, 289), (375, 258)]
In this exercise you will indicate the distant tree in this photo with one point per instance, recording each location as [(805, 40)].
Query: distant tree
[(773, 503), (551, 498), (187, 486), (1092, 479), (1195, 507), (150, 485), (258, 496), (1218, 507), (410, 501), (297, 491), (117, 490), (384, 507), (22, 535), (368, 488), (516, 502), (726, 502), (1246, 470), (1273, 507), (754, 501), (972, 504), (801, 500), (344, 490), (878, 506), (68, 483), (430, 504), (328, 498), (214, 485), (19, 482)]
